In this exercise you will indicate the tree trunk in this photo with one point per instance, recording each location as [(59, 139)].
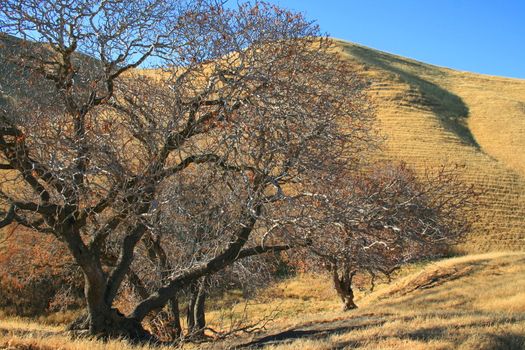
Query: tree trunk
[(196, 310), (348, 300), (174, 315), (199, 311), (107, 322), (343, 286), (101, 320), (113, 324), (190, 315), (104, 322)]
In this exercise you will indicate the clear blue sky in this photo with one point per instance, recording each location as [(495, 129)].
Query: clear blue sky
[(483, 36)]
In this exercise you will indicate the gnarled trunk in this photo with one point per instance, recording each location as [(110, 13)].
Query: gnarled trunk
[(103, 321), (112, 324), (343, 286)]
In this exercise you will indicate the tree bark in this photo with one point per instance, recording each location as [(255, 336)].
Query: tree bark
[(174, 314), (106, 322), (343, 286), (196, 312), (101, 320), (199, 311), (190, 315)]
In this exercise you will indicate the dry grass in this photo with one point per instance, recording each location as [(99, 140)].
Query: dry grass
[(306, 297), (434, 115), (481, 308)]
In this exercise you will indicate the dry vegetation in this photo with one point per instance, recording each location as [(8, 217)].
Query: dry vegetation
[(481, 309), (435, 115), (432, 115), (471, 302)]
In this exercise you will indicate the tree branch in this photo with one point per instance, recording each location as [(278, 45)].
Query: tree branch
[(124, 262), (261, 250), (228, 256), (9, 216)]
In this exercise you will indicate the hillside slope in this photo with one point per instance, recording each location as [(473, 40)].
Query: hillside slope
[(433, 115), (470, 302), (474, 302)]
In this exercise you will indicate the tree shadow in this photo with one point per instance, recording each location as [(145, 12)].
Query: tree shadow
[(316, 331), (450, 108), (486, 341), (479, 341)]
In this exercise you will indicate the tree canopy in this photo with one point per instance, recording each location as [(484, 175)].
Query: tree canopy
[(246, 109)]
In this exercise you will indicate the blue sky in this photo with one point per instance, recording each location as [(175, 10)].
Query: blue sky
[(483, 36)]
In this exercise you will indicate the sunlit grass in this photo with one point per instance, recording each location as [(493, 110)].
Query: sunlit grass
[(433, 115), (471, 312), (476, 302), (480, 309)]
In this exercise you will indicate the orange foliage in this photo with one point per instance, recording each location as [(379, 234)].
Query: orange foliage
[(34, 269)]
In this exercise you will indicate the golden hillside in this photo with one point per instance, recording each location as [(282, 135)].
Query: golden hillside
[(433, 115)]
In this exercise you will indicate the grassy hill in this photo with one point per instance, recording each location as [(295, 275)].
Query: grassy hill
[(433, 115)]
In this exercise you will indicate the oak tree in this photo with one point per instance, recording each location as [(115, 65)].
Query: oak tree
[(248, 104), (385, 215)]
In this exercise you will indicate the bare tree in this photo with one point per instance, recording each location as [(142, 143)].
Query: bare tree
[(191, 226), (374, 221), (250, 103)]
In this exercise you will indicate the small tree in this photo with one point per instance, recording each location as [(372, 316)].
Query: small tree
[(250, 99), (373, 221)]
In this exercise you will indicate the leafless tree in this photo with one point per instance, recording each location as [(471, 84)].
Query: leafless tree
[(250, 104), (189, 227), (375, 220)]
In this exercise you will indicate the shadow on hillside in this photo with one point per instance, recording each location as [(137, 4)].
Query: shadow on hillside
[(316, 331), (468, 341), (450, 108), (509, 341)]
